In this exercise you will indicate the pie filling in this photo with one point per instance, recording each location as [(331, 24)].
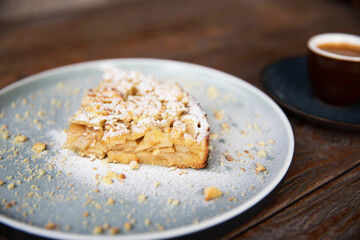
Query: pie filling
[(133, 117)]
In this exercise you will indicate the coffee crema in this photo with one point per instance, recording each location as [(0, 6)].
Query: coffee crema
[(344, 49)]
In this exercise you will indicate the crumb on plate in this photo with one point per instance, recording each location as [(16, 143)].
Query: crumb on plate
[(39, 147), (211, 192), (260, 167), (219, 114), (212, 92), (127, 226), (147, 222), (20, 138), (110, 201), (114, 230), (229, 158), (225, 126), (173, 202), (262, 153), (134, 165), (50, 225), (98, 230), (141, 198)]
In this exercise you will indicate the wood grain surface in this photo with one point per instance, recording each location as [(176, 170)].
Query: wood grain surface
[(320, 196)]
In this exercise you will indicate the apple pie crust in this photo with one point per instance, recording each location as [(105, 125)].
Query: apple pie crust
[(133, 117)]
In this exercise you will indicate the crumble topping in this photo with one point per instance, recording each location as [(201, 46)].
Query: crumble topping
[(130, 102)]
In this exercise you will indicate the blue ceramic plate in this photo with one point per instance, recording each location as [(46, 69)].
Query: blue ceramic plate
[(288, 83), (59, 190)]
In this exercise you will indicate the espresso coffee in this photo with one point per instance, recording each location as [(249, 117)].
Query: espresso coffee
[(341, 49), (334, 67)]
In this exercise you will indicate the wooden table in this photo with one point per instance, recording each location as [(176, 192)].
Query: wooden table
[(320, 196)]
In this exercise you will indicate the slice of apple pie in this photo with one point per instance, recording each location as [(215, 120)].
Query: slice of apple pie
[(133, 117)]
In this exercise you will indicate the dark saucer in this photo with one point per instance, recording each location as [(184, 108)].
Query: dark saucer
[(288, 83)]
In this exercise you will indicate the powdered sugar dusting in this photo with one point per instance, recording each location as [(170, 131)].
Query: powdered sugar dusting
[(173, 183)]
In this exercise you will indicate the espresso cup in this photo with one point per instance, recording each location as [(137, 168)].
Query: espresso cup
[(334, 67)]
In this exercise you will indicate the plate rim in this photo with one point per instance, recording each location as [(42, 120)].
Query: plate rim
[(183, 230), (300, 112)]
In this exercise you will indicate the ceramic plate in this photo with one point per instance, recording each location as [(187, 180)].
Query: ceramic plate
[(288, 83), (60, 195)]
